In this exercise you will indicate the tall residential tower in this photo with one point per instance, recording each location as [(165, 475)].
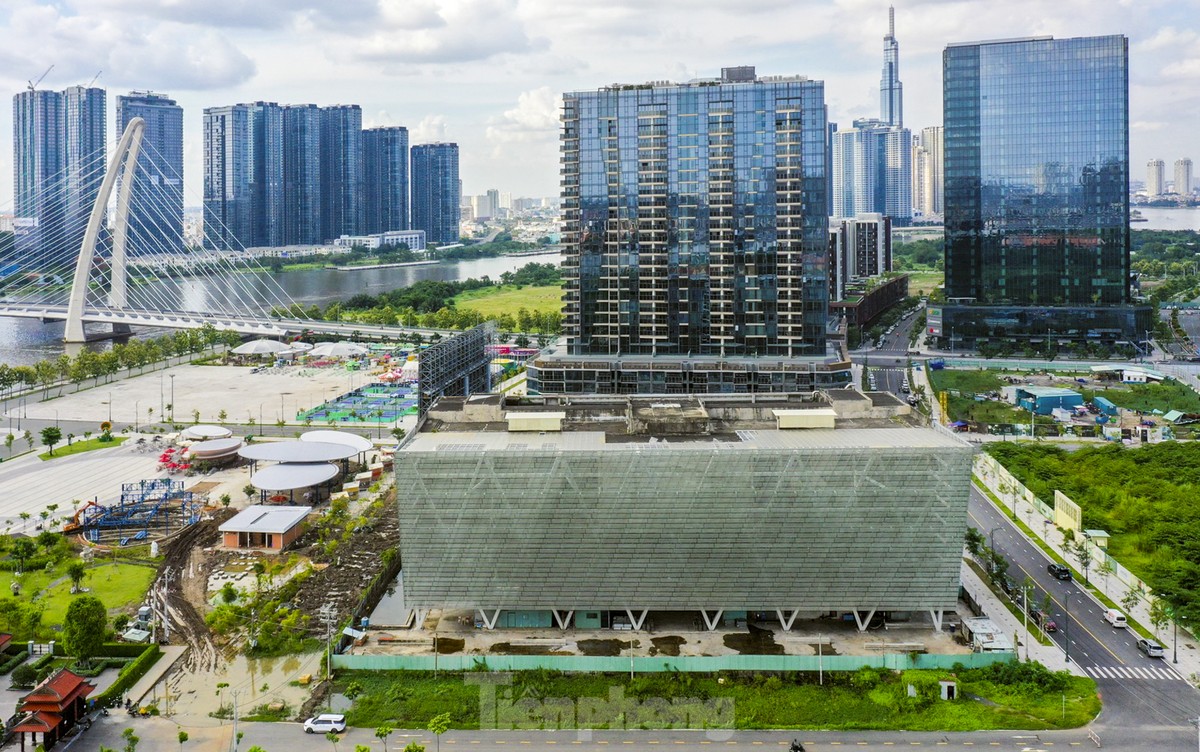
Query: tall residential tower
[(385, 179), (1037, 208), (436, 191), (1156, 178), (156, 211), (695, 238)]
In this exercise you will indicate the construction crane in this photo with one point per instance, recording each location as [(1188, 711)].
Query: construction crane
[(93, 79), (33, 84)]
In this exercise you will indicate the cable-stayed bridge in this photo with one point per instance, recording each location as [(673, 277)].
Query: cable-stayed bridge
[(109, 269)]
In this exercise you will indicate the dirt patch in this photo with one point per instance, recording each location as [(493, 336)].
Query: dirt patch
[(609, 648), (450, 645), (824, 648), (755, 642), (507, 648), (668, 645)]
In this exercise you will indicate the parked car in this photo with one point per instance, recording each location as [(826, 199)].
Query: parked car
[(1151, 648), (1059, 572), (324, 723)]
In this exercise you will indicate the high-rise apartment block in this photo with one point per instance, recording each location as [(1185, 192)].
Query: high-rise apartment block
[(1156, 178), (302, 215), (859, 247), (59, 141), (385, 179), (156, 206), (927, 172), (1183, 177), (872, 160), (243, 175), (1037, 208), (695, 239), (436, 191), (341, 170)]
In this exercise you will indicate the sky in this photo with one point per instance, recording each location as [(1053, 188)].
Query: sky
[(488, 74)]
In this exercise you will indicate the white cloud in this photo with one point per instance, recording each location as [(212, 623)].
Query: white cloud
[(452, 31), (535, 118), (431, 128), (1147, 125), (251, 14)]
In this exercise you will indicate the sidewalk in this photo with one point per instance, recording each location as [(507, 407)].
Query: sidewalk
[(1051, 656), (1189, 655), (170, 656)]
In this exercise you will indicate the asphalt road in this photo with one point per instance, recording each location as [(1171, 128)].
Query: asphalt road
[(1138, 692), (889, 362)]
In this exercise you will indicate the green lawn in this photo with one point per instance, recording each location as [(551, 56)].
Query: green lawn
[(78, 447), (496, 301), (866, 699), (1167, 396), (118, 586), (965, 381)]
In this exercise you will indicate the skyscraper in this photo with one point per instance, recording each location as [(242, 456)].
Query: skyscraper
[(891, 91), (85, 129), (38, 188), (385, 179), (927, 171), (341, 170), (243, 175), (436, 191), (1037, 208), (1183, 176), (156, 209), (1156, 180), (872, 160), (302, 213), (695, 233)]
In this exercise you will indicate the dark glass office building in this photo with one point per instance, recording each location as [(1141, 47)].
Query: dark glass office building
[(695, 235), (1036, 196), (385, 179), (156, 208), (436, 191)]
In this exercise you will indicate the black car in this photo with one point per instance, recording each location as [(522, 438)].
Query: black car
[(1059, 572)]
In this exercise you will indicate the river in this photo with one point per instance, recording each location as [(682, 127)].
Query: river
[(25, 341), (1160, 218)]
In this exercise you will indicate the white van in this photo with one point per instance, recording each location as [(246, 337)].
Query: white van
[(324, 723), (1115, 618)]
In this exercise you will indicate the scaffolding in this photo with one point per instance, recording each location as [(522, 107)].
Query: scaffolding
[(457, 367), (152, 508)]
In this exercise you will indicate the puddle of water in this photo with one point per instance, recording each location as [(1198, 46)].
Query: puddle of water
[(257, 681)]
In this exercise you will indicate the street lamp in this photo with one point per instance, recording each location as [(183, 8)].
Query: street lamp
[(172, 397), (136, 405), (161, 411), (992, 549)]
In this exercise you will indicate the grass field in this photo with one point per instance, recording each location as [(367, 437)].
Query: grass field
[(118, 586), (1165, 397), (923, 283), (497, 301), (866, 699), (78, 447)]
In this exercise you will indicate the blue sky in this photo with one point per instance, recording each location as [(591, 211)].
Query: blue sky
[(488, 73)]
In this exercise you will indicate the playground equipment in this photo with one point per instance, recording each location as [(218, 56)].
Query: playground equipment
[(152, 508)]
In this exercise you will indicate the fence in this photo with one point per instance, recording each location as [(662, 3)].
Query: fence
[(647, 664)]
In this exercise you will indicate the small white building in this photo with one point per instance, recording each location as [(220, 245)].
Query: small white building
[(414, 239)]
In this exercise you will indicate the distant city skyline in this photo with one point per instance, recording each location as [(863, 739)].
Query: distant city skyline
[(488, 74)]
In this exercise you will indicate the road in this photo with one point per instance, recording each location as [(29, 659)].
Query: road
[(889, 362), (160, 734), (1138, 692)]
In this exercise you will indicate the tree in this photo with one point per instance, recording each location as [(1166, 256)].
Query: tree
[(183, 737), (382, 733), (195, 416), (439, 725), (76, 570), (8, 442), (83, 628), (1132, 597), (1160, 614), (51, 435), (1082, 551), (333, 739), (974, 542), (131, 741), (28, 438), (221, 416), (249, 490), (414, 747), (22, 549)]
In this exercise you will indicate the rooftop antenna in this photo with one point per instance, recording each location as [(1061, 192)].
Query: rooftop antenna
[(33, 84), (891, 20)]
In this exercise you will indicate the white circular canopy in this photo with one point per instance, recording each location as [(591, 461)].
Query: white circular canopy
[(201, 432), (297, 451), (291, 477), (260, 347), (338, 350), (354, 441), (214, 448)]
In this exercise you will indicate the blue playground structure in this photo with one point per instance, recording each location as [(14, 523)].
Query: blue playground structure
[(154, 507)]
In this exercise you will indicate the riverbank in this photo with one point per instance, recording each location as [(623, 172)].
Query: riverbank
[(363, 267)]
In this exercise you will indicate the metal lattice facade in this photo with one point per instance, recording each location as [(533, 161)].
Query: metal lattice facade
[(679, 528), (457, 367)]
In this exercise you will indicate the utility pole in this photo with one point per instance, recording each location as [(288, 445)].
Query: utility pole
[(235, 720), (328, 614)]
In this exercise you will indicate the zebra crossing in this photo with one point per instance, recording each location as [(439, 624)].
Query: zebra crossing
[(1131, 672)]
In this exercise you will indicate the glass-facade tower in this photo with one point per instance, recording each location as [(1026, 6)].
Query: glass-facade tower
[(341, 170), (156, 209), (385, 179), (302, 175), (243, 175), (1036, 191), (436, 191), (695, 218)]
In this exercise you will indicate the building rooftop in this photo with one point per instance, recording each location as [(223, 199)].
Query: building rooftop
[(265, 519), (1048, 391)]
